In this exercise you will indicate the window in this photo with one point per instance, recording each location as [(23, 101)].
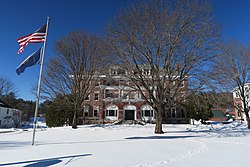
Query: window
[(8, 111), (96, 97), (139, 95), (112, 113), (183, 96), (108, 83), (182, 84), (115, 94), (113, 71), (121, 83), (164, 114), (146, 72), (173, 112), (97, 83), (125, 96), (126, 83), (95, 112), (135, 72), (86, 111), (133, 95), (147, 113), (115, 82), (236, 94), (120, 71), (104, 82), (107, 94), (87, 98), (183, 113)]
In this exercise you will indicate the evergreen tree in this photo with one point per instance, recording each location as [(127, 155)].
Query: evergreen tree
[(199, 107), (58, 113)]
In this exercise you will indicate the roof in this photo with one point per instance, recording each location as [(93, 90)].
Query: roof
[(218, 114), (2, 104)]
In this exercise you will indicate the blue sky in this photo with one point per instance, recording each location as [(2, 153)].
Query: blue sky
[(21, 17)]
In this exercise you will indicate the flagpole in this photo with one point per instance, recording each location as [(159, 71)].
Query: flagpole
[(39, 84)]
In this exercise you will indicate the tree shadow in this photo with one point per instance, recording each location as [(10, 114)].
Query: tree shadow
[(45, 162), (160, 137), (78, 142), (220, 131), (10, 144)]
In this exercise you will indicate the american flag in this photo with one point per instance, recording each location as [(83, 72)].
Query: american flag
[(37, 37)]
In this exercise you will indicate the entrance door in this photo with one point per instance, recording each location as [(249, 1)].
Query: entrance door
[(129, 114)]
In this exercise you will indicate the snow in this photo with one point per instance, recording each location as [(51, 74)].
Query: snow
[(127, 146)]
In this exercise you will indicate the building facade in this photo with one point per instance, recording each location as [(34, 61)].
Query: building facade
[(114, 99), (238, 103), (9, 117)]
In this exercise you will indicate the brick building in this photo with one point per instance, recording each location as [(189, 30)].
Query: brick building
[(114, 99)]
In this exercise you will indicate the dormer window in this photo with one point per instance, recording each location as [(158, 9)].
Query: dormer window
[(146, 72), (120, 71), (135, 72), (107, 94), (113, 72)]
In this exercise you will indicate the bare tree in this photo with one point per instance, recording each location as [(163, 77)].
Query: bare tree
[(231, 71), (70, 73), (6, 87), (171, 39)]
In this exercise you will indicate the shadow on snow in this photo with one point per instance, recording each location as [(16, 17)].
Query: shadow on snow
[(10, 144), (160, 137), (78, 142), (45, 162)]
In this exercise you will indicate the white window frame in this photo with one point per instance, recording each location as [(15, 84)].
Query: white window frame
[(151, 113), (147, 108), (107, 113)]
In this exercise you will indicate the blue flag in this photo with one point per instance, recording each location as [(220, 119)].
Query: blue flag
[(33, 59)]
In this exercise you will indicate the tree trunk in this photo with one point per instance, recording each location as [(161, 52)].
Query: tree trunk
[(248, 123), (247, 118), (158, 123), (74, 122)]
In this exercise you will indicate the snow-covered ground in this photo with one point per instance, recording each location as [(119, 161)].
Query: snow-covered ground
[(128, 146)]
